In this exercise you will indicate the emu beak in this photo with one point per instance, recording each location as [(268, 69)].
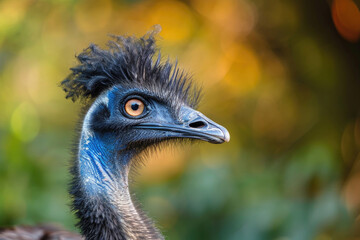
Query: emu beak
[(191, 124)]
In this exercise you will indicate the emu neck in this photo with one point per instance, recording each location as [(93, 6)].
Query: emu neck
[(101, 197)]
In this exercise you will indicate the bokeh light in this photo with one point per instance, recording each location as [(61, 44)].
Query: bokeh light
[(25, 122), (346, 16)]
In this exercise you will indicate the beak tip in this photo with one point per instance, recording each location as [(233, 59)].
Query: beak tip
[(226, 136)]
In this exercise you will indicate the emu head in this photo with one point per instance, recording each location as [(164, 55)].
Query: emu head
[(134, 99)]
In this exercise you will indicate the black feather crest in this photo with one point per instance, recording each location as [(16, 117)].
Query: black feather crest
[(132, 62)]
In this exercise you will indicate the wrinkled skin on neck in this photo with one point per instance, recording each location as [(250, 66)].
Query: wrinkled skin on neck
[(101, 197)]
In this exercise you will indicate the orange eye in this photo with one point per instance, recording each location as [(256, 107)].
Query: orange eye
[(134, 107)]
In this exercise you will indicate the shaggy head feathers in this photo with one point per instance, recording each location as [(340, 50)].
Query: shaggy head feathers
[(131, 62)]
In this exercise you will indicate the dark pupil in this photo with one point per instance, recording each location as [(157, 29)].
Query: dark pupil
[(134, 106)]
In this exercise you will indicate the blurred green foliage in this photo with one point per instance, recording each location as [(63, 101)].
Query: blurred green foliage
[(282, 76)]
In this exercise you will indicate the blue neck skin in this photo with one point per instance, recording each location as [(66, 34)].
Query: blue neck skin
[(103, 168)]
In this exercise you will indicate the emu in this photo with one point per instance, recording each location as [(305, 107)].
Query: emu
[(132, 101)]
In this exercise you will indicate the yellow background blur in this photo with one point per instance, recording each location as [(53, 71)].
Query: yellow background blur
[(282, 76)]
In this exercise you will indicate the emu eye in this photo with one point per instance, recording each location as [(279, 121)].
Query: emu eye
[(134, 107)]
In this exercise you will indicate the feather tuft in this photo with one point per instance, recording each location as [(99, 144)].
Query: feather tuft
[(130, 61)]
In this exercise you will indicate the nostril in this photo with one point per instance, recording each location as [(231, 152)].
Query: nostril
[(197, 124)]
